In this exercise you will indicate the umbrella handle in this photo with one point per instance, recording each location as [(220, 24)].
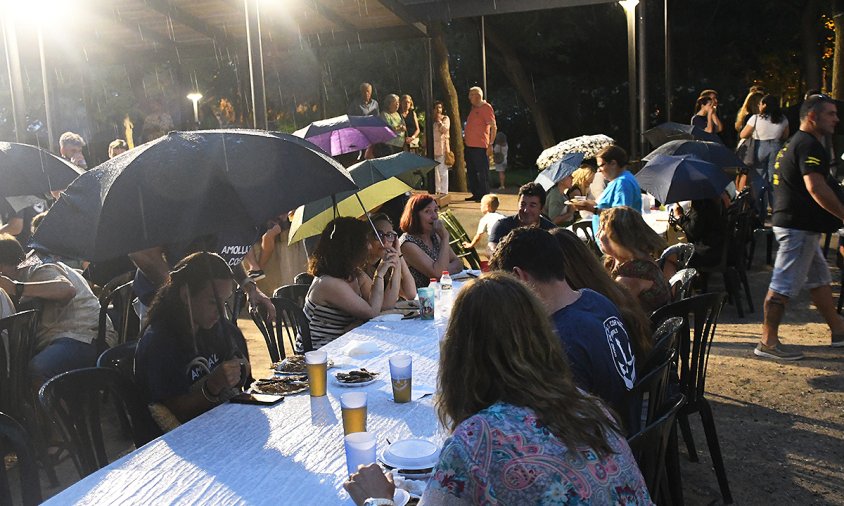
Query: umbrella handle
[(366, 213)]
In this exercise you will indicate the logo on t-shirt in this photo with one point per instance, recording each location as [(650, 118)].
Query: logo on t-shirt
[(622, 354)]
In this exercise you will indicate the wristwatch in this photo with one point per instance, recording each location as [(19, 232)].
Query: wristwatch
[(378, 501)]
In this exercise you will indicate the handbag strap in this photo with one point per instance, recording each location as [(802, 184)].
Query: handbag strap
[(754, 132)]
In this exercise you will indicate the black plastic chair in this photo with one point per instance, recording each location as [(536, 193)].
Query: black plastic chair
[(665, 344), (290, 322), (681, 283), (678, 254), (650, 446), (303, 278), (583, 230), (296, 293), (73, 400), (702, 312), (121, 358), (14, 438), (116, 303)]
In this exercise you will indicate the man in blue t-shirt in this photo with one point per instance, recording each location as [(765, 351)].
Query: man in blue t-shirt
[(589, 325)]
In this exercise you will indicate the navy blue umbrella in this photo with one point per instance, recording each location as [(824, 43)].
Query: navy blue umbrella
[(671, 131), (30, 170), (677, 178), (185, 185), (712, 152), (559, 170)]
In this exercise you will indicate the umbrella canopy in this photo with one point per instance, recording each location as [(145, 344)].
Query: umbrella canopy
[(323, 211), (671, 131), (378, 177), (345, 134), (30, 170), (712, 152), (559, 170), (184, 185), (589, 145), (677, 178)]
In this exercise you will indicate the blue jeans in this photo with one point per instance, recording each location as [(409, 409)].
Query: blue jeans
[(62, 355), (766, 156), (800, 262)]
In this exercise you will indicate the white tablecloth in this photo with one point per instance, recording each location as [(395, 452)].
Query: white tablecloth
[(290, 453), (657, 220)]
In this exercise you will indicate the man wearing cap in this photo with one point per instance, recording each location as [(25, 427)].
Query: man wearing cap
[(555, 207)]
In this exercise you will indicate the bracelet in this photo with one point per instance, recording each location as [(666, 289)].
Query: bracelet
[(213, 399)]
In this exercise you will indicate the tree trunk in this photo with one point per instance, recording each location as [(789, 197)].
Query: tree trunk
[(519, 79), (452, 105), (809, 38), (838, 55)]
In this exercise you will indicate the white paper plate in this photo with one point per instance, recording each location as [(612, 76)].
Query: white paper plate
[(351, 385), (401, 497), (411, 454)]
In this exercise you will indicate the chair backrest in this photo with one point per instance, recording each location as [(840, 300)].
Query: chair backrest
[(458, 237), (701, 315), (120, 358), (303, 278), (650, 444), (267, 329), (116, 303), (290, 323), (665, 340), (296, 293), (681, 283), (14, 438), (583, 230), (238, 300), (73, 401), (16, 393), (679, 254)]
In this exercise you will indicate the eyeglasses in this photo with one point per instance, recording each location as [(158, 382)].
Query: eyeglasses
[(388, 235)]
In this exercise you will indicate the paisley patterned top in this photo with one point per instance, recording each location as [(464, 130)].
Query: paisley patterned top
[(419, 278), (505, 455), (659, 294)]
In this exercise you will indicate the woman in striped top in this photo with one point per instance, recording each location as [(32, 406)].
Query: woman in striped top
[(336, 302)]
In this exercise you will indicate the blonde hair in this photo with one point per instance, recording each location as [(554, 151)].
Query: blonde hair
[(478, 89), (580, 178), (626, 227), (749, 107), (490, 201), (512, 355)]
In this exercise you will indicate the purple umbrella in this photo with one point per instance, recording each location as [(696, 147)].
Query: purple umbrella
[(345, 134)]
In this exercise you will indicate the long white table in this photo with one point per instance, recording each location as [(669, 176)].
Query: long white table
[(290, 453)]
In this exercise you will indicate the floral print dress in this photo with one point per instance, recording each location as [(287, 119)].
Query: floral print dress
[(505, 455)]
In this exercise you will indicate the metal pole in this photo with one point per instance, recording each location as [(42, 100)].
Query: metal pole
[(631, 78), (429, 101), (483, 55), (667, 63), (13, 65), (643, 77), (45, 80), (256, 64)]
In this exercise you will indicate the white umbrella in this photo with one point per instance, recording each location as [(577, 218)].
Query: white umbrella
[(589, 145)]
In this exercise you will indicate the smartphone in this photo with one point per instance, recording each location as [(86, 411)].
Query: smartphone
[(259, 399)]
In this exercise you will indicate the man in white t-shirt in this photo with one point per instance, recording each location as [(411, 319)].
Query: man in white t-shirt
[(489, 208)]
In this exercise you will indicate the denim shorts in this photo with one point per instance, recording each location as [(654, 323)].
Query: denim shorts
[(800, 262)]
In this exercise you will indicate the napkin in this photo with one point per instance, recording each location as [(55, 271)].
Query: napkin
[(355, 348)]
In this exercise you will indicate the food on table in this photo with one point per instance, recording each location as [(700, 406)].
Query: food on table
[(356, 376), (294, 364), (282, 386)]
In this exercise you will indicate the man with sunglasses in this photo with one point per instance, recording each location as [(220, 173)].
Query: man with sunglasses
[(806, 204)]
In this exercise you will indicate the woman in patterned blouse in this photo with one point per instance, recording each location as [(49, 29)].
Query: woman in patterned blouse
[(521, 431), (425, 242)]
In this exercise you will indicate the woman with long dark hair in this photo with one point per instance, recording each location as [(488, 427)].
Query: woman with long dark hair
[(190, 358), (521, 432), (770, 128)]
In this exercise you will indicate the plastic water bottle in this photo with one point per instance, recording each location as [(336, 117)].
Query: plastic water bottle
[(446, 295), (435, 285), (445, 281)]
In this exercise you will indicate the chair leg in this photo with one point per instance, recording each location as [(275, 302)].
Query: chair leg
[(674, 480), (715, 450), (751, 249), (731, 283), (746, 284), (686, 430)]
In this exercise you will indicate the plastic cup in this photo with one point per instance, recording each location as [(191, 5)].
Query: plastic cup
[(360, 450), (401, 374), (316, 363), (353, 409), (426, 303)]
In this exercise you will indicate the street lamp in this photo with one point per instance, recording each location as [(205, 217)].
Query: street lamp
[(195, 97), (629, 11)]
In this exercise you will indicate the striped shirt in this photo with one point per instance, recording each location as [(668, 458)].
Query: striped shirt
[(327, 323)]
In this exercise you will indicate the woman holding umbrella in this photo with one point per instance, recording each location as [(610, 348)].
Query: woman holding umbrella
[(190, 358)]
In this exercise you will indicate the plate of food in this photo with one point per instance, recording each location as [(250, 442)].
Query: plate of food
[(294, 365), (411, 456), (355, 378), (287, 385), (407, 304)]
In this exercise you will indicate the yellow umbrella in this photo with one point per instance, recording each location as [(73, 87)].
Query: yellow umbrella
[(310, 220)]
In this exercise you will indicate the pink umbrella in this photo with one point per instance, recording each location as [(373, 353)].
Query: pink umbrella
[(345, 134)]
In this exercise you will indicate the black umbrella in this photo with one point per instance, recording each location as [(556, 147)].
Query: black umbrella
[(671, 131), (30, 170), (677, 178), (184, 185), (712, 152)]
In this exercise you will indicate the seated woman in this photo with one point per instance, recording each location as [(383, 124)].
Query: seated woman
[(341, 297), (631, 245), (584, 270), (529, 437), (705, 225), (377, 250), (424, 243), (190, 358)]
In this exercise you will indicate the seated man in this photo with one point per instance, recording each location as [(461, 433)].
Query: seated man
[(589, 325), (69, 313), (531, 202)]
